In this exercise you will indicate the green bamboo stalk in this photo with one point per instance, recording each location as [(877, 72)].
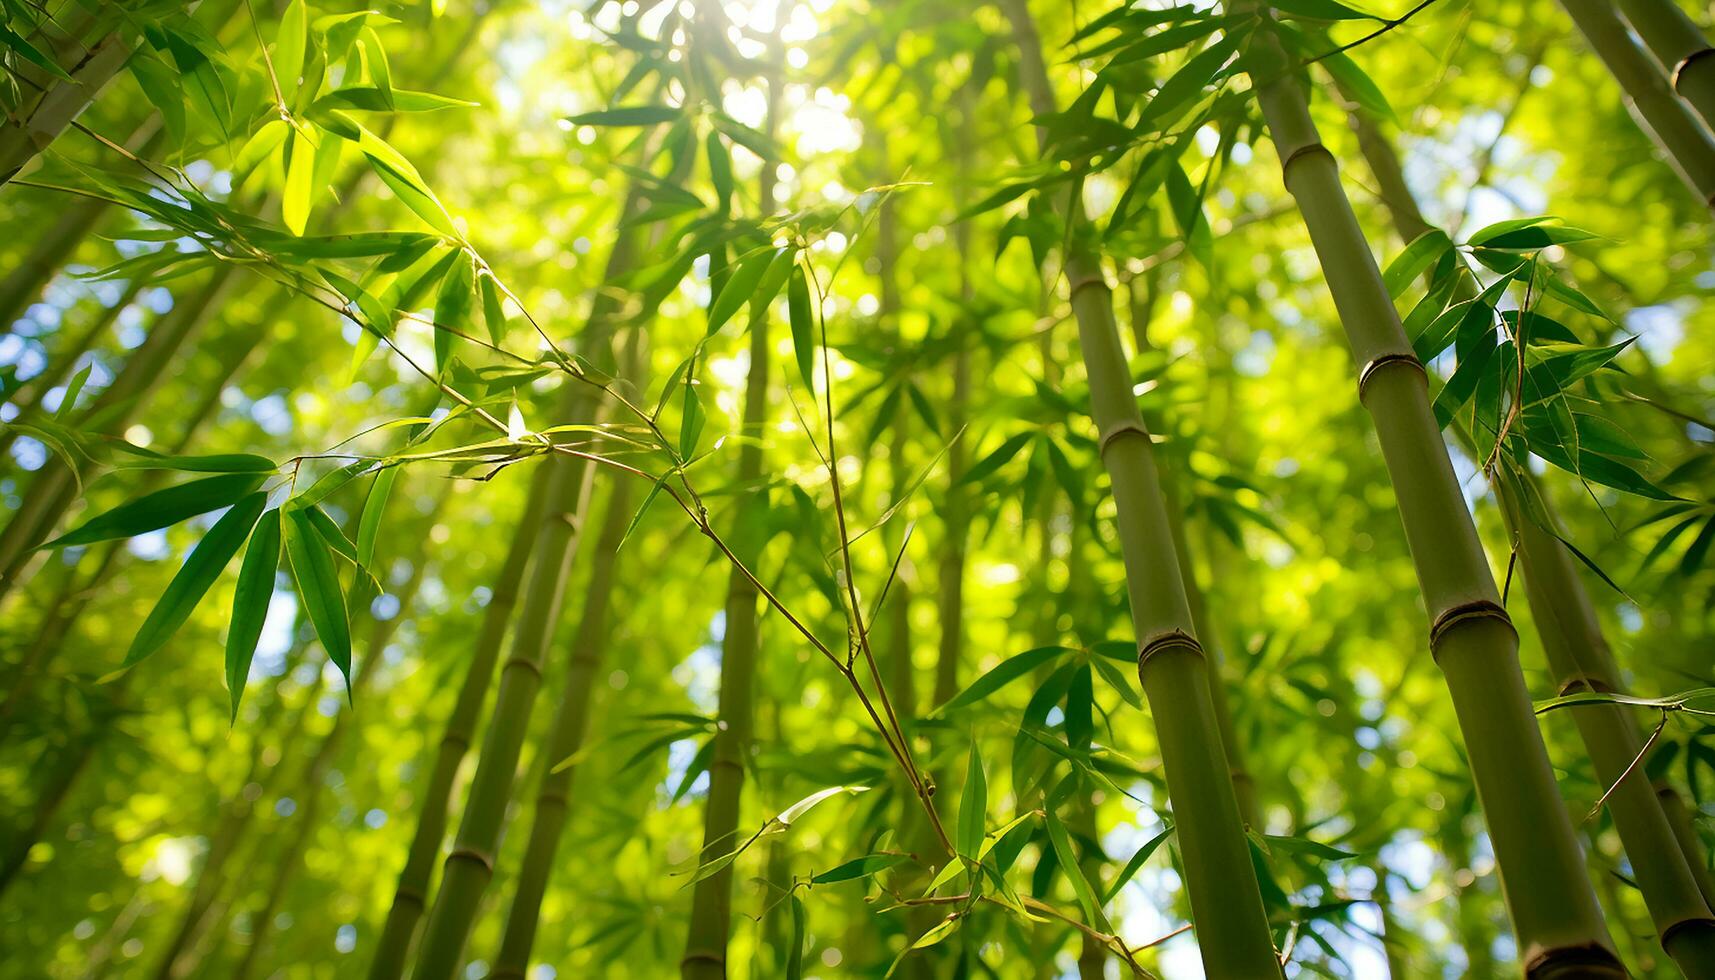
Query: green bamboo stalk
[(1581, 660), (55, 486), (75, 595), (1232, 928), (711, 899), (470, 865), (411, 893), (29, 393), (1244, 784), (571, 721), (1686, 144), (1679, 44), (309, 788), (1579, 657), (1679, 818), (28, 131), (1555, 914)]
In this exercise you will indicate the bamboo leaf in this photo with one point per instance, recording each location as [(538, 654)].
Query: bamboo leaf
[(861, 867), (318, 585), (1001, 675), (798, 308), (1138, 860), (637, 115), (250, 603), (1068, 859), (204, 564), (160, 509), (973, 807), (369, 525)]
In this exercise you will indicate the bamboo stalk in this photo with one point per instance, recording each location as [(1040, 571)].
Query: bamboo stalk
[(26, 133), (1555, 914), (310, 779), (29, 393), (411, 893), (74, 596), (571, 722), (1579, 656), (1686, 144), (1244, 784), (55, 486), (1679, 44), (470, 865), (1232, 929)]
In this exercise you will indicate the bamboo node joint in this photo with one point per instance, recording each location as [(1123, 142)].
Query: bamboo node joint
[(1575, 685), (1377, 363), (1686, 62), (1462, 613), (1116, 429), (469, 854), (1173, 639), (1573, 961), (1303, 150)]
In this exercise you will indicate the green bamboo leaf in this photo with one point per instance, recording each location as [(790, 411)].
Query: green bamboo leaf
[(1080, 709), (795, 956), (148, 459), (740, 288), (1001, 675), (720, 169), (73, 388), (299, 196), (1068, 859), (636, 115), (410, 189), (1424, 251), (369, 525), (493, 309), (1319, 10), (802, 320), (998, 458), (16, 44), (318, 585), (160, 509), (289, 43), (699, 765), (250, 603), (1137, 861), (368, 98), (453, 307), (204, 564), (973, 807), (861, 867)]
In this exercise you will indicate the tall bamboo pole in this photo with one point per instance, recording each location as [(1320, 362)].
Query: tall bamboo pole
[(54, 104), (470, 865), (28, 394), (1687, 145), (571, 720), (411, 894), (711, 898), (1679, 44), (1555, 914), (1244, 784), (76, 594), (55, 486), (1581, 660), (1232, 928), (310, 780)]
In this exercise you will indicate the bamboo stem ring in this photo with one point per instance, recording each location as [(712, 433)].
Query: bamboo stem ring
[(1119, 428), (1462, 613), (1686, 62), (1173, 639), (1377, 363)]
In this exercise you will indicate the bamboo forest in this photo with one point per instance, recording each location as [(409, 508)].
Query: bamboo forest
[(1039, 489)]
